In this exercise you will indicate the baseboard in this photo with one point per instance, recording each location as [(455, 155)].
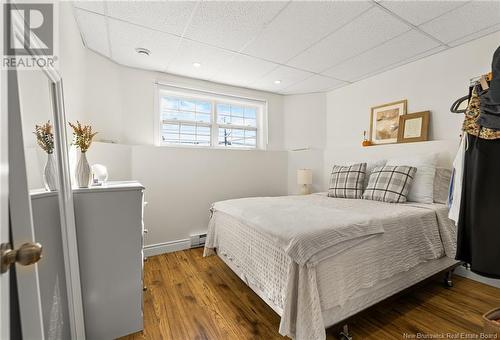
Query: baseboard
[(166, 247), (460, 270)]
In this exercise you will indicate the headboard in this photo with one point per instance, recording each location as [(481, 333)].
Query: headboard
[(446, 149)]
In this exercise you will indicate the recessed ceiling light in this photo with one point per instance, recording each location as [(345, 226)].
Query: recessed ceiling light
[(196, 65), (143, 51), (277, 81)]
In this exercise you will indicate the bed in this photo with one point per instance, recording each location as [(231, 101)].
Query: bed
[(317, 260)]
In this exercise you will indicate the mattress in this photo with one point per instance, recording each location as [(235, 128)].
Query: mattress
[(304, 295)]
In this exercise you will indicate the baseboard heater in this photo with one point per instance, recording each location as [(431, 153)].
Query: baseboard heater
[(198, 240)]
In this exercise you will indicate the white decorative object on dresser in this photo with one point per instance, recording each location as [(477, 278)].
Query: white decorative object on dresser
[(109, 226)]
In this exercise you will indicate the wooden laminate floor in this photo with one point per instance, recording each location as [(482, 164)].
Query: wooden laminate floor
[(190, 297)]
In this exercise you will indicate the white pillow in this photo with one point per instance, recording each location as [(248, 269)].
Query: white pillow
[(422, 188)]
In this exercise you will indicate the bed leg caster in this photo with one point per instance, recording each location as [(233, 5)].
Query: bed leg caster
[(448, 282), (345, 335)]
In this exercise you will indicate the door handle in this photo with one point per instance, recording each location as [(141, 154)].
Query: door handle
[(26, 255)]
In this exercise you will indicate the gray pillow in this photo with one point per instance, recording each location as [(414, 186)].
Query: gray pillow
[(369, 169), (347, 181), (442, 185), (390, 184)]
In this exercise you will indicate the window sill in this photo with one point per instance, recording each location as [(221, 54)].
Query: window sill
[(176, 146)]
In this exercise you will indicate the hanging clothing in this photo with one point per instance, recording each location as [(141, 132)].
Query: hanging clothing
[(455, 193), (471, 125), (478, 241), (495, 81)]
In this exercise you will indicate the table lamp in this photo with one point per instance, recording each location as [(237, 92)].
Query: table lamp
[(304, 180)]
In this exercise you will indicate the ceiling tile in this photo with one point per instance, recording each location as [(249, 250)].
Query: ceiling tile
[(211, 59), (125, 38), (396, 50), (418, 12), (286, 75), (300, 25), (476, 35), (243, 70), (316, 83), (406, 61), (369, 30), (166, 16), (229, 24), (468, 19), (93, 6), (94, 30)]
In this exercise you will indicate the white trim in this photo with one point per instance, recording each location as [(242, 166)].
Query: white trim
[(462, 271), (156, 134), (208, 93), (166, 247)]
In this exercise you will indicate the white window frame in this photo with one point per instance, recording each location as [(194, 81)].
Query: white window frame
[(214, 98)]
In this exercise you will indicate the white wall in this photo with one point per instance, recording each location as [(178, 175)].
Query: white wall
[(120, 101), (432, 83), (181, 184), (305, 137)]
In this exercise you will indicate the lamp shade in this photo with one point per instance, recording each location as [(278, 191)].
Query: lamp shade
[(304, 176)]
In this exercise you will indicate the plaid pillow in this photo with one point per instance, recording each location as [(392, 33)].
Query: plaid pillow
[(390, 183), (347, 181)]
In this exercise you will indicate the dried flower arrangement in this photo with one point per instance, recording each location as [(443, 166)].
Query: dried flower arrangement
[(82, 136), (45, 137)]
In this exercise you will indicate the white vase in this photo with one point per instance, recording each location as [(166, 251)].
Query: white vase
[(83, 174), (50, 173)]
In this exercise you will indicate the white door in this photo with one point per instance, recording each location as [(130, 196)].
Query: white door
[(49, 293), (4, 206)]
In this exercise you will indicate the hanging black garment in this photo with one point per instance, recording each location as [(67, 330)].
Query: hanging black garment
[(495, 82), (478, 240), (489, 110)]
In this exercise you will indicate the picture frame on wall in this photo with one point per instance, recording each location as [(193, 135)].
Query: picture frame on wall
[(384, 122), (414, 127)]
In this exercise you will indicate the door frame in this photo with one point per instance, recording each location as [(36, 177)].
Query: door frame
[(65, 196), (4, 204)]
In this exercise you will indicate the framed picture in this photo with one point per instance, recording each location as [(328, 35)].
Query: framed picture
[(414, 127), (384, 122)]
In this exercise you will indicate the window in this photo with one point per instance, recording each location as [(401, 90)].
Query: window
[(195, 118)]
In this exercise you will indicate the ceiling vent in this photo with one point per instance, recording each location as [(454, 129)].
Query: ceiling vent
[(143, 51)]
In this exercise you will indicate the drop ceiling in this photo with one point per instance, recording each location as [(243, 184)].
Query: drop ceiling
[(283, 47)]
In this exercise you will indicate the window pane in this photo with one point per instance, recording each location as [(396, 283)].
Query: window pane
[(185, 134), (203, 117), (189, 116), (223, 119), (223, 109), (250, 112), (188, 129), (204, 107), (250, 134), (237, 111), (170, 103), (250, 122), (236, 138), (251, 143), (187, 105)]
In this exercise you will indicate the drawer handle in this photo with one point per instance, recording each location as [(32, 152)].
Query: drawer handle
[(144, 288), (146, 231)]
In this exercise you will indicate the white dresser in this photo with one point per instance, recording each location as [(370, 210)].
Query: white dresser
[(110, 229), (109, 226)]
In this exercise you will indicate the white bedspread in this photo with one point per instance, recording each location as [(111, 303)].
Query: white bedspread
[(303, 226), (263, 233)]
